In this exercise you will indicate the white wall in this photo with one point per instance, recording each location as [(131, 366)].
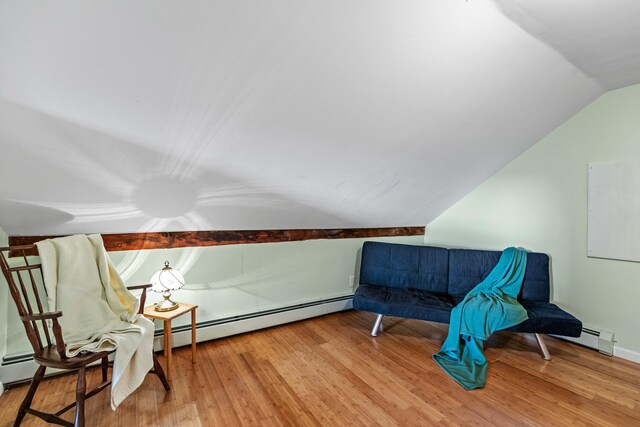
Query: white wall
[(4, 295), (231, 280), (539, 201)]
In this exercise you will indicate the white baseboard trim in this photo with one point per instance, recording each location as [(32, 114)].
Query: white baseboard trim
[(18, 371), (206, 333), (24, 369), (623, 353)]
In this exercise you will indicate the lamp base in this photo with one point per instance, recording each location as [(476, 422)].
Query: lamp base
[(166, 305)]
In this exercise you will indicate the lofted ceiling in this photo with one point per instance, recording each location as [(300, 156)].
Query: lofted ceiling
[(163, 115)]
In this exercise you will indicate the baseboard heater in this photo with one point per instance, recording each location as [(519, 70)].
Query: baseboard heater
[(593, 338), (18, 368)]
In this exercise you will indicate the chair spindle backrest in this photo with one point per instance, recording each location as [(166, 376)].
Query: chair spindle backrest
[(24, 279)]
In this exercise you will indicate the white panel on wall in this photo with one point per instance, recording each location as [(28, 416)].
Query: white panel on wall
[(614, 210)]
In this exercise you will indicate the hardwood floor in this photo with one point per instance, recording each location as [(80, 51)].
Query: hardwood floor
[(328, 371)]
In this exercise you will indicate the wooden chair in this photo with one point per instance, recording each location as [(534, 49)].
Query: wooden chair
[(25, 284)]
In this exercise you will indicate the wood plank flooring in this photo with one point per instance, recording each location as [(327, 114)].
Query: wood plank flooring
[(328, 371)]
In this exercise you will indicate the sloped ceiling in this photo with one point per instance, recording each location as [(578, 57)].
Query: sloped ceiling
[(601, 38), (160, 115)]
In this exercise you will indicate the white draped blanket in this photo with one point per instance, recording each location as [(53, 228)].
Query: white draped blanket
[(99, 313)]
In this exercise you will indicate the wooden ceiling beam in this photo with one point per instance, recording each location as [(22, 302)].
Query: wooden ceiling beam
[(184, 239)]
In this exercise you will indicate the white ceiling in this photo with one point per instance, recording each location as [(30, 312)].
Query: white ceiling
[(162, 115), (601, 38)]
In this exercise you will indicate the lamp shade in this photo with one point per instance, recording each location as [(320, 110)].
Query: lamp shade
[(167, 279)]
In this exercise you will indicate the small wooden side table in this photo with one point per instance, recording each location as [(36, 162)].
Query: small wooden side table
[(167, 317)]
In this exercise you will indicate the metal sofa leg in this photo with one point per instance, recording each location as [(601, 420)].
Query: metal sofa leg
[(543, 347), (377, 326)]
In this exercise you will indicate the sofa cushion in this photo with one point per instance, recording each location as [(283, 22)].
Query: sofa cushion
[(404, 266), (536, 285), (547, 318), (468, 267), (409, 303)]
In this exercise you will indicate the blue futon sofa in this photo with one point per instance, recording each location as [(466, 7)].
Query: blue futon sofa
[(426, 282)]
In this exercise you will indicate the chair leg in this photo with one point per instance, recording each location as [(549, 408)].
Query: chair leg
[(80, 394), (105, 366), (26, 403), (377, 326), (157, 367), (543, 347)]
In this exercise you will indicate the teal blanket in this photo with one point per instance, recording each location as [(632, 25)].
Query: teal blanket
[(491, 306)]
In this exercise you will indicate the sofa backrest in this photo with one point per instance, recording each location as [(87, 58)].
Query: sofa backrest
[(468, 267), (448, 271), (404, 266)]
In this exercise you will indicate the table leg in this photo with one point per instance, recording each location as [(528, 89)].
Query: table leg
[(193, 336), (167, 346)]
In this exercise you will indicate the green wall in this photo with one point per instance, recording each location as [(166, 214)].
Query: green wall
[(539, 201)]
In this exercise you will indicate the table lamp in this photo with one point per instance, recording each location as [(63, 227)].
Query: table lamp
[(164, 281)]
